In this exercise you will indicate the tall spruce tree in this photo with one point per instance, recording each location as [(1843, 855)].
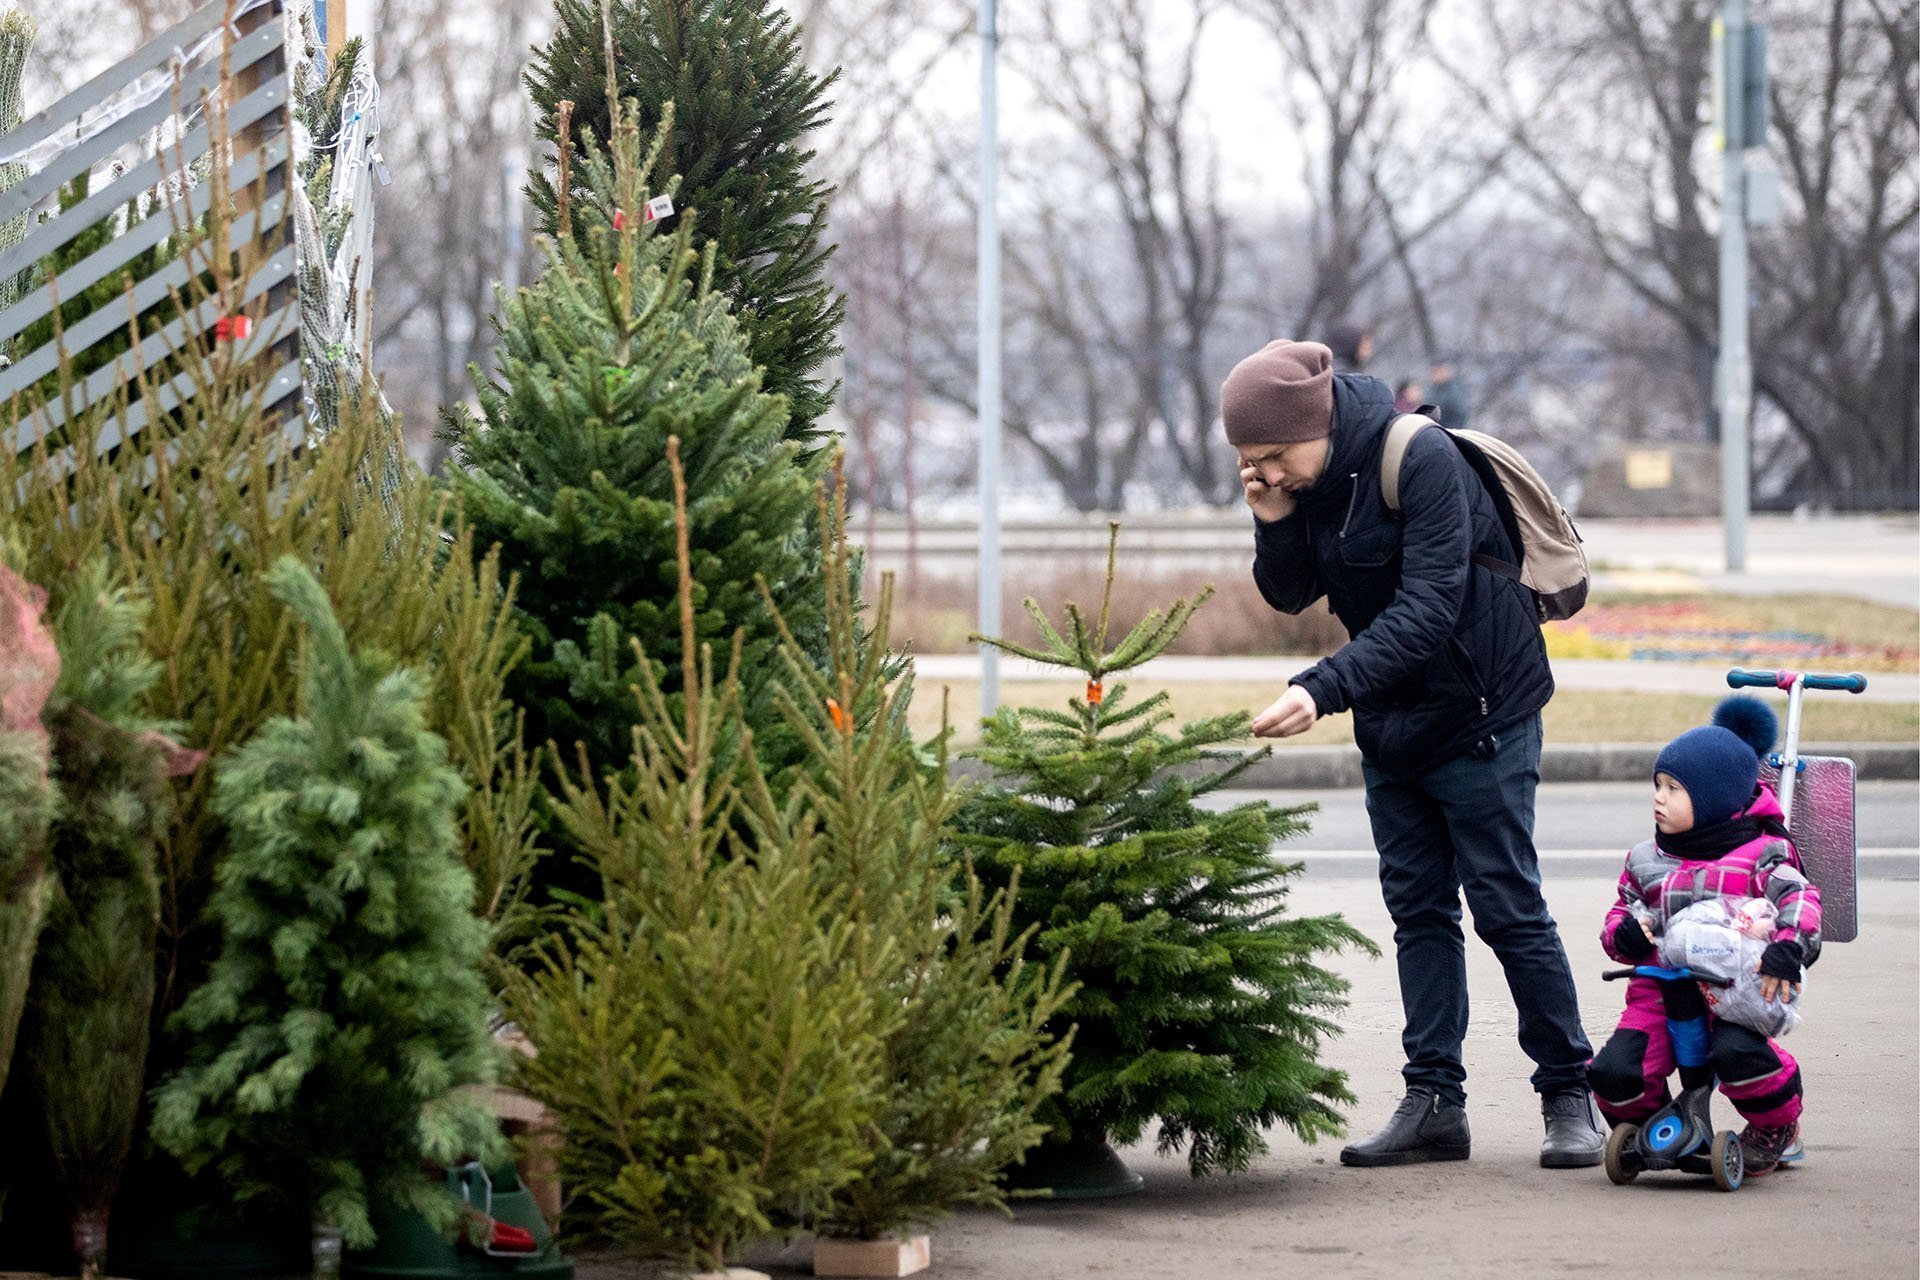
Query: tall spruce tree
[(618, 346), (1200, 1003), (347, 1003), (726, 84)]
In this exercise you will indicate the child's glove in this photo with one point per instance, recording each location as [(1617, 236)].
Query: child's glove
[(1782, 960), (1630, 939)]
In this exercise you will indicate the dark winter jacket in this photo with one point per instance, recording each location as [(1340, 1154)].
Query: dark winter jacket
[(1444, 652)]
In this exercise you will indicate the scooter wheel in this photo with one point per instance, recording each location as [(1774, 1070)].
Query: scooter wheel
[(1623, 1162), (1729, 1161)]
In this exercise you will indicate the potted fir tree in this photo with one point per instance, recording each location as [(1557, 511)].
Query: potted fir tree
[(346, 1005), (1200, 1005)]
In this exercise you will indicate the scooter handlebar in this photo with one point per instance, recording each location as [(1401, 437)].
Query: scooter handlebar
[(1740, 678), (1663, 974)]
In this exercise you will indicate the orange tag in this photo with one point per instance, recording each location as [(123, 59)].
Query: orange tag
[(841, 720), (1094, 693)]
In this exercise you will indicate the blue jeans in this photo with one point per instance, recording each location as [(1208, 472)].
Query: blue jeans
[(1468, 824)]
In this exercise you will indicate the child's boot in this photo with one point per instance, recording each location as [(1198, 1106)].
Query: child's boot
[(1770, 1148)]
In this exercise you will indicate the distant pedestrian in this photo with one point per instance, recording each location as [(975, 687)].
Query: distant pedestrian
[(1352, 345), (1407, 396), (1445, 673), (1717, 834), (1447, 396)]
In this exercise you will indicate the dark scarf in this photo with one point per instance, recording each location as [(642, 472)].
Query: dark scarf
[(1703, 843)]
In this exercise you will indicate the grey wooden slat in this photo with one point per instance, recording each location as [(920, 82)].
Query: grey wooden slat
[(52, 235), (112, 316), (103, 382), (94, 268), (156, 52), (181, 388), (69, 164), (169, 397)]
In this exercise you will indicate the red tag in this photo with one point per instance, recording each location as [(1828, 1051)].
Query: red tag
[(232, 328), (1094, 693), (841, 720), (619, 219)]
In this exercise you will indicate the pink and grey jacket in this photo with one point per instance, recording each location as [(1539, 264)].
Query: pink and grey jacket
[(1657, 885)]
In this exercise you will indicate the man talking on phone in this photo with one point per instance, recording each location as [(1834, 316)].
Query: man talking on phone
[(1445, 672)]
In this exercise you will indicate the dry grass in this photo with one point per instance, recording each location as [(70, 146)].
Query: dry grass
[(940, 613), (1574, 715)]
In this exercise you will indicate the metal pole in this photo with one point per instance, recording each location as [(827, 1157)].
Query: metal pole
[(989, 343), (1736, 363)]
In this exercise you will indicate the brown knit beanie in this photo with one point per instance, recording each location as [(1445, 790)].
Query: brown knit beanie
[(1281, 394)]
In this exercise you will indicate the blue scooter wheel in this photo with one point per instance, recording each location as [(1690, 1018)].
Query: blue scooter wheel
[(1729, 1161)]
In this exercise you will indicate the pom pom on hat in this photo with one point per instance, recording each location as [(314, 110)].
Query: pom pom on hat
[(1750, 720), (1719, 764)]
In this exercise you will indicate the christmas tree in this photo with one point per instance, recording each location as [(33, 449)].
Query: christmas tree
[(726, 83), (86, 1034), (1200, 1006), (617, 347), (968, 1057), (347, 1002), (704, 1039)]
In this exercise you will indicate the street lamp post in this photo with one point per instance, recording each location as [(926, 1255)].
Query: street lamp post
[(989, 345), (1740, 110)]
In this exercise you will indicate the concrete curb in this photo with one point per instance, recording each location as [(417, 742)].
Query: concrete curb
[(1323, 768)]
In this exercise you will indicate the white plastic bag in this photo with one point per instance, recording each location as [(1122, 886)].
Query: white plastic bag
[(1716, 938)]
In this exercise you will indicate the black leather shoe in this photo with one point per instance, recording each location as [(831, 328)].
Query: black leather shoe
[(1424, 1127), (1575, 1137)]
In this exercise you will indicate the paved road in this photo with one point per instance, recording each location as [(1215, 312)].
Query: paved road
[(1585, 828)]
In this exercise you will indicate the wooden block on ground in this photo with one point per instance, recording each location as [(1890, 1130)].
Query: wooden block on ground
[(891, 1257)]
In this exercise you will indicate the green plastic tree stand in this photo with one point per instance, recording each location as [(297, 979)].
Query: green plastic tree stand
[(1078, 1169), (412, 1250)]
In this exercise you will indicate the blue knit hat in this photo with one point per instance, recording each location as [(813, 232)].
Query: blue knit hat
[(1719, 764)]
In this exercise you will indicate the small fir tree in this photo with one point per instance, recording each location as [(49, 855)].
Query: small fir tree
[(726, 84), (970, 1056), (87, 1029), (618, 346), (704, 1040), (1200, 1004), (347, 1003)]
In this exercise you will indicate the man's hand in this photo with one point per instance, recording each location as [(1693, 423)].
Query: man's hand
[(1293, 713), (1771, 987), (1268, 502)]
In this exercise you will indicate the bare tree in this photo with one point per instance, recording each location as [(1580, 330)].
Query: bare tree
[(1606, 113), (455, 134)]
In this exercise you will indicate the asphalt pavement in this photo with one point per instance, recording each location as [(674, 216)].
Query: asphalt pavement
[(1852, 1209)]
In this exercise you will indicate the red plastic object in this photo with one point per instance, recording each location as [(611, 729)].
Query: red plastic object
[(232, 328)]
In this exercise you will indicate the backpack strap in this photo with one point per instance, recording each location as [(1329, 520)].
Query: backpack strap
[(1400, 434)]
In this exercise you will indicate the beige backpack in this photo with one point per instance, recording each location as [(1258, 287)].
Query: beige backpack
[(1552, 564)]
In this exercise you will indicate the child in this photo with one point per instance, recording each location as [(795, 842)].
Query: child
[(1719, 834)]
